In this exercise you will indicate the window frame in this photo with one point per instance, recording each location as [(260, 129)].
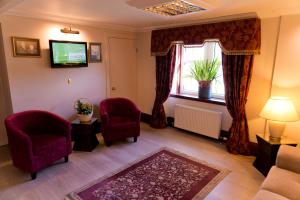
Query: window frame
[(215, 101), (180, 92)]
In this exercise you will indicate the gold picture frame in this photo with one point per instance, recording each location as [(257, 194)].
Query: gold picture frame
[(95, 55), (26, 47)]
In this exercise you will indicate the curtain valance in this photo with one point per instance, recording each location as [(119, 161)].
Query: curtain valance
[(238, 37)]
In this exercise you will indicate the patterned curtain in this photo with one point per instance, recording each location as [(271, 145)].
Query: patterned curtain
[(237, 72), (165, 67)]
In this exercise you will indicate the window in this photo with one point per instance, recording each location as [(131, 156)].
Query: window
[(182, 84)]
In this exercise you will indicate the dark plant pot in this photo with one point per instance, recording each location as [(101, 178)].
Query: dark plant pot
[(204, 91)]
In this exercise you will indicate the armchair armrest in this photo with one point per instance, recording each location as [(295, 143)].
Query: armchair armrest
[(104, 117), (135, 108), (135, 112), (288, 157), (59, 124), (20, 144), (138, 115)]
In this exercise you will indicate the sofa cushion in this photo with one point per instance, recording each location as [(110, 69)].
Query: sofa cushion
[(45, 144), (283, 182), (288, 158), (267, 195)]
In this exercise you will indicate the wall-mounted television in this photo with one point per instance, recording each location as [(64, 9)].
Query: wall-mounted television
[(68, 54)]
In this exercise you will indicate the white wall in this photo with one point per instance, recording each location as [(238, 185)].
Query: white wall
[(35, 85), (259, 89), (287, 69), (262, 74)]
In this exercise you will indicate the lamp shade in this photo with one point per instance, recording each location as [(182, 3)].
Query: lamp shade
[(279, 109)]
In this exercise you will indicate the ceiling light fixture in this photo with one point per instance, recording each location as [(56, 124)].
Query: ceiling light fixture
[(69, 31), (173, 8)]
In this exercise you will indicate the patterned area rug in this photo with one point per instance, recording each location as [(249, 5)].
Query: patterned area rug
[(163, 175)]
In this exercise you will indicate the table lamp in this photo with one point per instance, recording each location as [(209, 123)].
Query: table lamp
[(279, 110)]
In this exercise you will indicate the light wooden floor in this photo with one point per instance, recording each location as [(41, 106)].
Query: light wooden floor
[(55, 182)]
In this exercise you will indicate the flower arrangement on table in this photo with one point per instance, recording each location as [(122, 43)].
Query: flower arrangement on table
[(84, 110)]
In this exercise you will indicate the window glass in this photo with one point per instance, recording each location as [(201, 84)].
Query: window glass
[(189, 86)]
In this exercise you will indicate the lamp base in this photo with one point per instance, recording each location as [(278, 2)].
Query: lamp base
[(276, 129)]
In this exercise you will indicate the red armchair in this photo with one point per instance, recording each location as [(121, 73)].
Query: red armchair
[(120, 119), (37, 139)]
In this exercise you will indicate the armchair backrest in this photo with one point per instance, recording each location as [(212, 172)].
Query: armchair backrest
[(118, 107), (30, 122)]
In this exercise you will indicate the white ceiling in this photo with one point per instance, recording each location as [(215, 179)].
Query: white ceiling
[(119, 13)]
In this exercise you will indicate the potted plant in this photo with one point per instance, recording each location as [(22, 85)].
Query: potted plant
[(84, 110), (204, 72)]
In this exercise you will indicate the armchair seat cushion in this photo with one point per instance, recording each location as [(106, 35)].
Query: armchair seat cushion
[(122, 122), (46, 144)]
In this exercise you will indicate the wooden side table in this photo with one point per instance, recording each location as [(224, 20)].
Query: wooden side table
[(84, 134), (267, 152)]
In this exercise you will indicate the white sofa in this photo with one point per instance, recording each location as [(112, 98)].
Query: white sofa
[(283, 180)]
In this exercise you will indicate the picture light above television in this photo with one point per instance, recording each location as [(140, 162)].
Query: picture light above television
[(65, 54)]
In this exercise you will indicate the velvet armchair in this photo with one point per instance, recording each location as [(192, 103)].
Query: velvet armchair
[(120, 119), (37, 139)]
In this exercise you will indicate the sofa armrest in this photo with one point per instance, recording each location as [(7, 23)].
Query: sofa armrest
[(288, 158)]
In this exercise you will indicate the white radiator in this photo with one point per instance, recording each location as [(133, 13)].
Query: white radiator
[(198, 120)]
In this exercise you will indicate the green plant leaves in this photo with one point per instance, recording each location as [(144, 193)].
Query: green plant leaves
[(204, 70)]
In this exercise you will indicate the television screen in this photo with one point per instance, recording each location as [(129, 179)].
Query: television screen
[(68, 54)]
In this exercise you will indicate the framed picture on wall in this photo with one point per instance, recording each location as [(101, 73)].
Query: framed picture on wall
[(26, 47), (95, 52)]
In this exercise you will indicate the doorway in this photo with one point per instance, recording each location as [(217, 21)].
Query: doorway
[(123, 68)]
